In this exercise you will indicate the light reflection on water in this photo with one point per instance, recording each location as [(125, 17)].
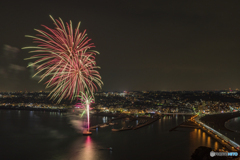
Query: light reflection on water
[(19, 113), (216, 145), (199, 136), (208, 141), (31, 113), (105, 119), (203, 138), (154, 141), (88, 150), (85, 148)]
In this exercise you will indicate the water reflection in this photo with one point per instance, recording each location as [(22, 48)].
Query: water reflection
[(193, 136), (31, 113), (87, 152), (208, 142), (84, 148), (199, 135), (156, 138), (104, 119), (216, 145), (19, 113), (203, 138), (96, 130)]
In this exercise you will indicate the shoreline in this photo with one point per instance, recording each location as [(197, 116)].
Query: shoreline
[(217, 121), (33, 109), (226, 123)]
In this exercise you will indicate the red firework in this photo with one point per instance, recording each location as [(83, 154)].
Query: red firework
[(66, 60)]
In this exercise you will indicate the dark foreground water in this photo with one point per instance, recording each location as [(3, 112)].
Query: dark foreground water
[(38, 135), (233, 124)]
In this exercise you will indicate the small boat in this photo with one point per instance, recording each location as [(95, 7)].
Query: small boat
[(86, 133)]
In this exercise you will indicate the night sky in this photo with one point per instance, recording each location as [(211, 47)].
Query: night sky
[(143, 45)]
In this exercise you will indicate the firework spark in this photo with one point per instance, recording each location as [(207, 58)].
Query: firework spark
[(66, 60), (86, 100)]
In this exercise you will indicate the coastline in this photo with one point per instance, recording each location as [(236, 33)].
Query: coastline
[(32, 109), (218, 120), (229, 128)]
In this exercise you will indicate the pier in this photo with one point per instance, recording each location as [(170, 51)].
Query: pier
[(187, 124), (175, 127), (149, 121), (116, 118)]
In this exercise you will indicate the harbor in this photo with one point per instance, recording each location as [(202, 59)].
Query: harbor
[(140, 122), (61, 137), (145, 122)]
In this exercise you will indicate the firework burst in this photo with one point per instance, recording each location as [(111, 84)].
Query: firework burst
[(66, 60)]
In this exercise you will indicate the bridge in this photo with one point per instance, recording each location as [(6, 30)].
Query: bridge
[(172, 114), (225, 141)]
